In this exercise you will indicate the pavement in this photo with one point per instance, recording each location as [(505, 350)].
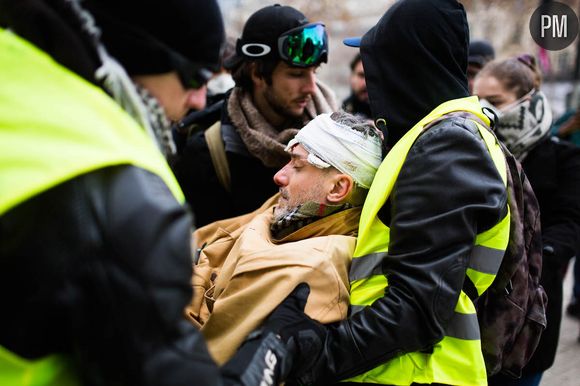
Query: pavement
[(566, 368)]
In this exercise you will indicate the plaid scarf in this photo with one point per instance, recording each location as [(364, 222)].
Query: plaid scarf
[(158, 121), (301, 216)]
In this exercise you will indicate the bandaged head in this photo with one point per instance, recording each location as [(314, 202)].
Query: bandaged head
[(352, 151)]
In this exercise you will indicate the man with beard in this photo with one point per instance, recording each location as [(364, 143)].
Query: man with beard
[(249, 264), (358, 101), (227, 169), (436, 217)]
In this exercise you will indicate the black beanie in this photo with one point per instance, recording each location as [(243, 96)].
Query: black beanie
[(142, 34), (264, 27)]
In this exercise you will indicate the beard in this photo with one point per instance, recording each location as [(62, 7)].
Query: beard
[(287, 205), (279, 108)]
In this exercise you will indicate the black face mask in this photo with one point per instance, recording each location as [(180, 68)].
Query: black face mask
[(415, 58)]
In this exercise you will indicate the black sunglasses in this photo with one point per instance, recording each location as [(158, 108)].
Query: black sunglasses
[(191, 75)]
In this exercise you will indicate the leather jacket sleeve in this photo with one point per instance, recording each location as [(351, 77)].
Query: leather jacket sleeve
[(99, 268), (447, 192)]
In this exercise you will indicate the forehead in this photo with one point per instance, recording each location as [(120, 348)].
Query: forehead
[(298, 151), (284, 67), (488, 85)]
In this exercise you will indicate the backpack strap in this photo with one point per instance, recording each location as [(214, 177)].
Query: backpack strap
[(217, 152), (468, 286)]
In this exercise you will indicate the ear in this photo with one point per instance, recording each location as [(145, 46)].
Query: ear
[(341, 188)]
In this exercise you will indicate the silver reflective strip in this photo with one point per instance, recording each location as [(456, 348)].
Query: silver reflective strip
[(485, 259), (463, 326), (354, 309), (363, 267)]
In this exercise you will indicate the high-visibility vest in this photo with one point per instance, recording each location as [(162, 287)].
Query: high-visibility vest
[(55, 126), (457, 359)]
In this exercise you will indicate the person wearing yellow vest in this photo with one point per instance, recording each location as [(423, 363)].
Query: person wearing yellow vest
[(436, 214), (95, 253)]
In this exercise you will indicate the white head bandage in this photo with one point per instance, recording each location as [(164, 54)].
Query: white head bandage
[(332, 144)]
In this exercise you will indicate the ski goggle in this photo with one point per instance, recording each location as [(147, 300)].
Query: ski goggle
[(304, 46)]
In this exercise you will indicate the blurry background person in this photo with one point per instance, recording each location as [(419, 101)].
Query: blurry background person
[(358, 101), (480, 52), (227, 169), (95, 255), (221, 82), (307, 236), (511, 88)]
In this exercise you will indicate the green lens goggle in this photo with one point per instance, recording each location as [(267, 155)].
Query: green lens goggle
[(304, 46)]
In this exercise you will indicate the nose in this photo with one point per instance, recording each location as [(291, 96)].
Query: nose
[(281, 177), (309, 85), (196, 98)]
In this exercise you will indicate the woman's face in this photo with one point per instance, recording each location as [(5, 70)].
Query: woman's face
[(490, 88)]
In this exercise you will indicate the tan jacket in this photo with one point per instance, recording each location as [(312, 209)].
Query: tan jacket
[(243, 274)]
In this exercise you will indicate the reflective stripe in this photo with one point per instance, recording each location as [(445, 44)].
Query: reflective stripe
[(486, 260), (355, 309), (365, 266), (463, 326)]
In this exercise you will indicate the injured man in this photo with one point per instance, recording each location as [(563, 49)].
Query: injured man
[(245, 266)]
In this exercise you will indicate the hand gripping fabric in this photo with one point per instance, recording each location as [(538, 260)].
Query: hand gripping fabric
[(268, 354)]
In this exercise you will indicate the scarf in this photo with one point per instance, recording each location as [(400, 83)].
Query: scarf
[(301, 216), (262, 139), (158, 121), (522, 126)]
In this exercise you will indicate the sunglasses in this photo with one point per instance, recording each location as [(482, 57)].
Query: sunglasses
[(304, 46), (191, 75)]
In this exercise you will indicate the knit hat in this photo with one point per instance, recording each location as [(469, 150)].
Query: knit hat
[(480, 52), (260, 37), (149, 36)]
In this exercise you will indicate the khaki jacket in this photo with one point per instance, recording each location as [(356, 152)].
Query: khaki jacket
[(243, 274)]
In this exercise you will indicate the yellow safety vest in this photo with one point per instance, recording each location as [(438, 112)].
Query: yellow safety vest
[(55, 126), (457, 359)]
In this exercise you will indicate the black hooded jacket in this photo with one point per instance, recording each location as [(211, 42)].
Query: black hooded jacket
[(447, 191), (415, 58)]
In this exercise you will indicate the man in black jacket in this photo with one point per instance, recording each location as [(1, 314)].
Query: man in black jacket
[(427, 231), (357, 102), (276, 94), (95, 255)]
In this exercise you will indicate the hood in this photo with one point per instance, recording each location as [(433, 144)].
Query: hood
[(415, 58)]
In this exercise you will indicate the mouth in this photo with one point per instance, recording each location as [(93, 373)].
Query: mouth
[(302, 103)]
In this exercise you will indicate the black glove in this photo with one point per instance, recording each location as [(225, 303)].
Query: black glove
[(304, 337), (264, 359)]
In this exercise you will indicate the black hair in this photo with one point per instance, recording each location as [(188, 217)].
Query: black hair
[(355, 61), (242, 74)]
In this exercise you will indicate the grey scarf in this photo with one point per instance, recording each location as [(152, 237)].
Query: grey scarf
[(301, 216), (524, 125)]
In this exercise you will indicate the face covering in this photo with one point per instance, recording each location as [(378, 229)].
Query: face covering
[(522, 124)]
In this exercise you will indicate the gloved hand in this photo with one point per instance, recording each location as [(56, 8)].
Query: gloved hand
[(264, 358), (304, 337)]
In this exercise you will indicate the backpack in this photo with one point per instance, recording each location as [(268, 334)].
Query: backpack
[(512, 311)]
